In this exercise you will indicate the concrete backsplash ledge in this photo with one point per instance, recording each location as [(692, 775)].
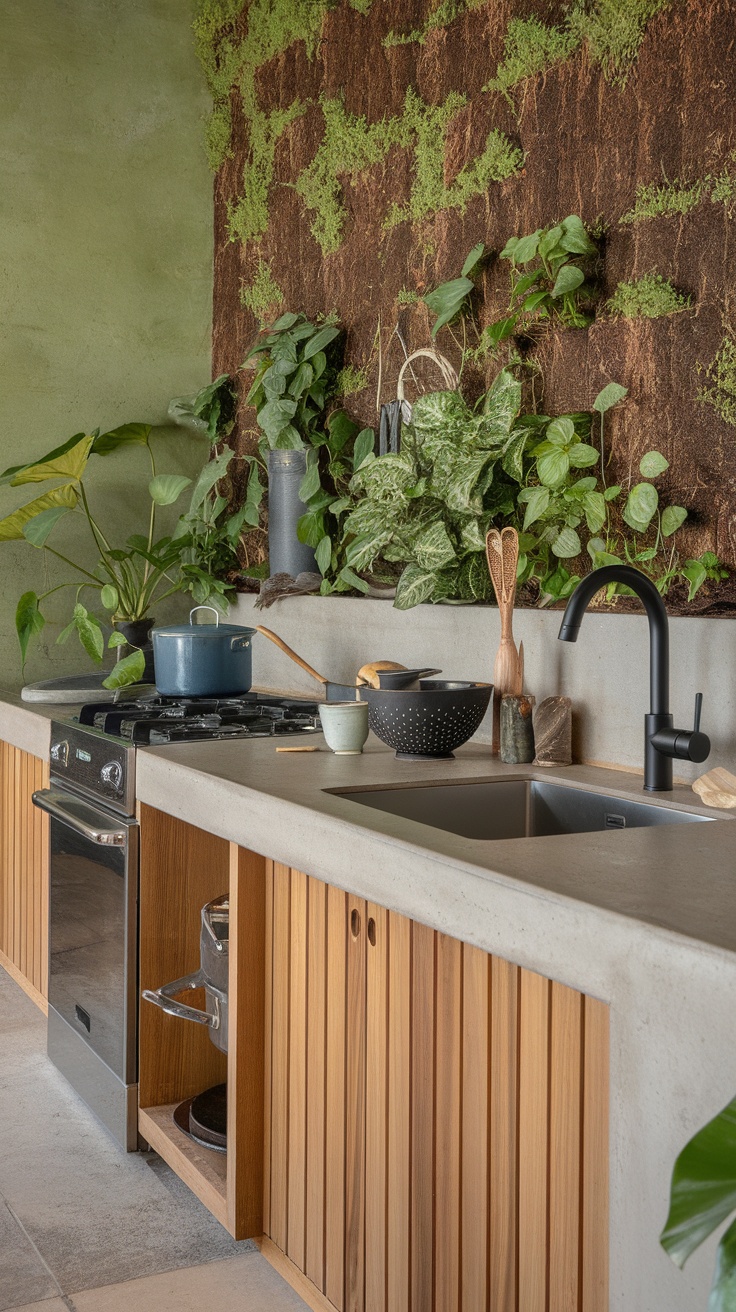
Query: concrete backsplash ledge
[(606, 673)]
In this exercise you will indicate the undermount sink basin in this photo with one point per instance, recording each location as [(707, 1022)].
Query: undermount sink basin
[(516, 808)]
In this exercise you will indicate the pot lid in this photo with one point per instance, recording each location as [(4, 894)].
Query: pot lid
[(202, 630)]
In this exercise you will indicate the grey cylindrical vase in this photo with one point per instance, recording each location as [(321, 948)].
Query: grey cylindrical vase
[(286, 554)]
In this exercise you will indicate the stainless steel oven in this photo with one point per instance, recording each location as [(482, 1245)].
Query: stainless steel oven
[(93, 926)]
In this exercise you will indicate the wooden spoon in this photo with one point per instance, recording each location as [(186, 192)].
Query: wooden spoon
[(502, 552), (273, 637)]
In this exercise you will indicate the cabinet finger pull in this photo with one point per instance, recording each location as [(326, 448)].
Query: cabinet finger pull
[(355, 922), (372, 931)]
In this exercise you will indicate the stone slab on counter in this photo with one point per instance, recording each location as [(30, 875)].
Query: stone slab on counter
[(27, 726)]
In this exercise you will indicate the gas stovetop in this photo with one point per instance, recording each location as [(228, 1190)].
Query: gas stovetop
[(152, 720)]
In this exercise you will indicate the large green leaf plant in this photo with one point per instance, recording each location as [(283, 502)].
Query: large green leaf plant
[(125, 581), (702, 1197)]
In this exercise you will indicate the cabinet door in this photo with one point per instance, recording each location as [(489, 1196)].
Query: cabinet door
[(24, 881), (438, 1117)]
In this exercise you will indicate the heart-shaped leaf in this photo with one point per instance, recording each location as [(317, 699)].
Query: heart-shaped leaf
[(568, 279), (164, 489), (561, 432), (553, 468), (611, 394), (109, 597), (567, 543), (13, 527), (67, 461), (28, 620), (129, 670), (641, 506), (652, 464), (90, 633), (38, 529), (672, 518), (414, 586), (473, 259), (323, 554), (125, 435)]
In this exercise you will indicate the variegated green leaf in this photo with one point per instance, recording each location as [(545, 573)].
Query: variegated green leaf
[(434, 548), (414, 586)]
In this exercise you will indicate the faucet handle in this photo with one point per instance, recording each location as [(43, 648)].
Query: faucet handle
[(684, 744), (698, 709)]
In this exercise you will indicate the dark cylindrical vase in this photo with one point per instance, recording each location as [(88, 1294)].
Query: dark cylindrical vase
[(286, 554), (137, 633)]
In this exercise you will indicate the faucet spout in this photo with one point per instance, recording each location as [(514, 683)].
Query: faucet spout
[(659, 645)]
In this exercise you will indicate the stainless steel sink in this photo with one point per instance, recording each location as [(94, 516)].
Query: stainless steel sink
[(516, 808)]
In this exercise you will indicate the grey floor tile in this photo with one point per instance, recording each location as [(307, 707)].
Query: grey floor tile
[(23, 1276), (47, 1305), (97, 1215), (240, 1284)]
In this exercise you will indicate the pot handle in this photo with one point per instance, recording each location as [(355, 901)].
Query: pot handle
[(164, 998), (194, 610), (239, 644)]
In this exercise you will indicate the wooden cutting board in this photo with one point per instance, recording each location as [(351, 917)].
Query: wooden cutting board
[(717, 788)]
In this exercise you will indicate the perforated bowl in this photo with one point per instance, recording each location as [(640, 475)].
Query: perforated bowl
[(429, 721)]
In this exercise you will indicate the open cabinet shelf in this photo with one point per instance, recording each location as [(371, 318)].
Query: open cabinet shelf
[(182, 868)]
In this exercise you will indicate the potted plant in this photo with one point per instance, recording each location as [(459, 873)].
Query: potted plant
[(126, 581), (296, 375)]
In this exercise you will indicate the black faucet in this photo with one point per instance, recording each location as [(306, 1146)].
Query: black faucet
[(661, 741)]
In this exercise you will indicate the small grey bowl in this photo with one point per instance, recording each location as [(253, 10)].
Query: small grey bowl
[(429, 722)]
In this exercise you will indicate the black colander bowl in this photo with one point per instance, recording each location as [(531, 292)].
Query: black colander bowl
[(428, 722)]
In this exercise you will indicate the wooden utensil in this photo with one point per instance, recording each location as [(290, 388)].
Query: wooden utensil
[(273, 637), (717, 788), (368, 674), (502, 552)]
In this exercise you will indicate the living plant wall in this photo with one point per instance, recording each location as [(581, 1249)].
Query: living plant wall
[(362, 148)]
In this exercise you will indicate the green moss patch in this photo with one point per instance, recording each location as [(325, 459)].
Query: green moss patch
[(671, 198), (613, 30), (648, 297), (720, 392), (349, 145), (351, 381), (442, 15), (530, 47), (248, 215), (262, 296), (407, 297)]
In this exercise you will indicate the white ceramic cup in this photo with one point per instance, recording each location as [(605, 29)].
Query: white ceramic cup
[(345, 726)]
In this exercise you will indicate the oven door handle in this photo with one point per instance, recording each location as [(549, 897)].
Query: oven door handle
[(164, 998), (47, 800)]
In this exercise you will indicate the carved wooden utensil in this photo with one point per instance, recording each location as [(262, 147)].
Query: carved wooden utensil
[(717, 788), (502, 552)]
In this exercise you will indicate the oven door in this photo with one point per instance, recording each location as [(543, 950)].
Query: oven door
[(93, 927)]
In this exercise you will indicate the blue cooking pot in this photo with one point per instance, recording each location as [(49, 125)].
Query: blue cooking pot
[(202, 660)]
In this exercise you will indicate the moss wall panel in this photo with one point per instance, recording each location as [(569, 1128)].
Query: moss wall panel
[(633, 128)]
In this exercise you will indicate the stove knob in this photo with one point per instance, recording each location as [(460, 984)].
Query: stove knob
[(112, 774), (60, 753)]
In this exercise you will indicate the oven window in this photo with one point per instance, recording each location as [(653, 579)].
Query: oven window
[(87, 941)]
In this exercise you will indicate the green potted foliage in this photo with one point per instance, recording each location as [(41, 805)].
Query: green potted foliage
[(126, 581), (463, 470), (297, 365), (702, 1196)]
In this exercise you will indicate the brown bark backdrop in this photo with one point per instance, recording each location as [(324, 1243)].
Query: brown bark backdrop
[(589, 141)]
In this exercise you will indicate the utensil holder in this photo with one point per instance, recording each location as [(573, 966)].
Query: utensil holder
[(517, 730)]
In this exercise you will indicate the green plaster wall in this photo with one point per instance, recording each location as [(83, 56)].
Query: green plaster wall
[(105, 256)]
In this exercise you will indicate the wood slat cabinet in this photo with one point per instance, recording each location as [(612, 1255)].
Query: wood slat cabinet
[(436, 1119), (24, 872)]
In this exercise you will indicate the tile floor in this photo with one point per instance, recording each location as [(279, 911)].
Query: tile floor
[(87, 1228)]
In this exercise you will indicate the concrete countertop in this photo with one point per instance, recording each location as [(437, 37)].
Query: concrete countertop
[(677, 878)]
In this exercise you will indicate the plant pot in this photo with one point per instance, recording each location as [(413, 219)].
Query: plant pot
[(137, 634), (286, 554)]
